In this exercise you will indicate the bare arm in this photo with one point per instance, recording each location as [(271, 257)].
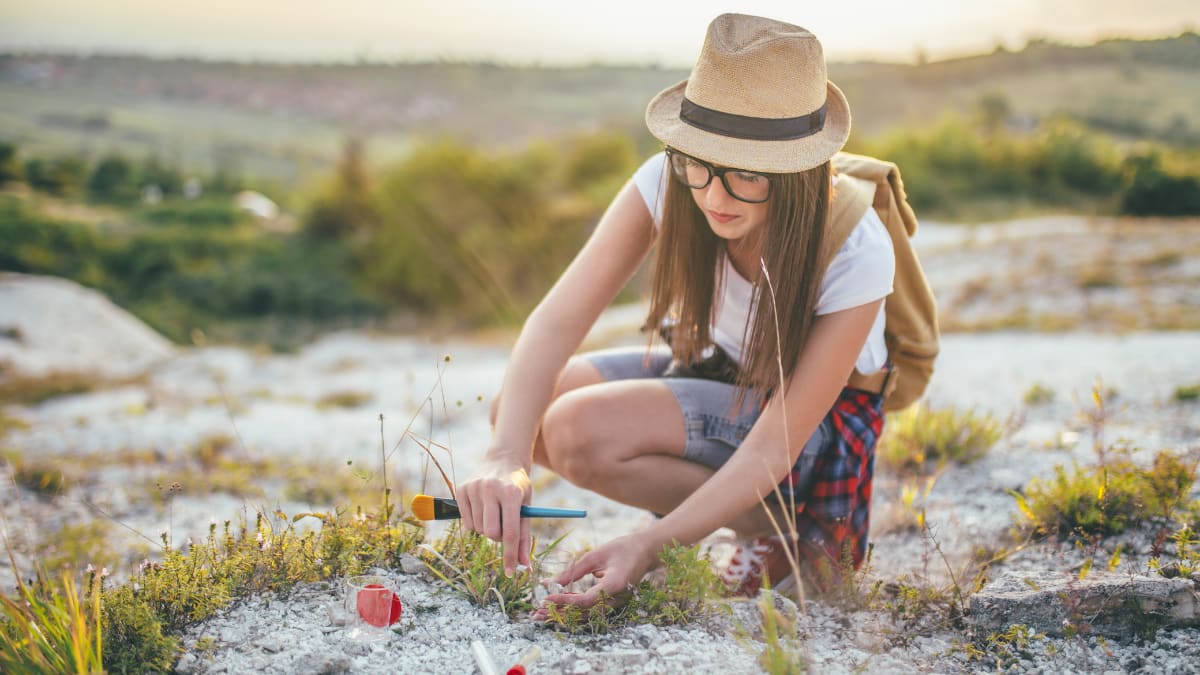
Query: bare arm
[(760, 463), (491, 499), (764, 458)]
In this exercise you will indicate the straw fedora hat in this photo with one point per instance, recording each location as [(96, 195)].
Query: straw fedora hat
[(758, 99)]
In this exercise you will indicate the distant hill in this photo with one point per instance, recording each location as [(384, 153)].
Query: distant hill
[(287, 121)]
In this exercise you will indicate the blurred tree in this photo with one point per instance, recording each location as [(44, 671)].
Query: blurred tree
[(61, 176), (10, 164), (1151, 191), (346, 210), (993, 110), (153, 172), (600, 157), (112, 181)]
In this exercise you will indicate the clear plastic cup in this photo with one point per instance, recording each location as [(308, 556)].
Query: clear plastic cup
[(372, 607)]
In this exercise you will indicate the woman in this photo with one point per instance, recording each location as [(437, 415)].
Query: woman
[(701, 431)]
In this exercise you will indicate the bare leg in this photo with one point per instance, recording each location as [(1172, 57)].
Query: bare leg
[(578, 372), (625, 440)]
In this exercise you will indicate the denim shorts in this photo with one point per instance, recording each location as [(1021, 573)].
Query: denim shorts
[(714, 429)]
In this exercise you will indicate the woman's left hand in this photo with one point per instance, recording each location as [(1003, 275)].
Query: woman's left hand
[(618, 566)]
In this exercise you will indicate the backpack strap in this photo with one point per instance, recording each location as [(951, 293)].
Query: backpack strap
[(851, 199)]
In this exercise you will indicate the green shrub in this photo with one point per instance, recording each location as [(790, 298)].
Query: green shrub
[(1152, 191), (162, 598), (1107, 499), (921, 438), (112, 180), (199, 213), (60, 176), (1038, 394), (133, 635), (10, 164), (1185, 393)]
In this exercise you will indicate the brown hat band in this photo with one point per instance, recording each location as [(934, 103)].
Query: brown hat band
[(751, 128)]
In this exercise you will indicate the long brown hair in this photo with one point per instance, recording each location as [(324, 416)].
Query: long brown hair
[(686, 275)]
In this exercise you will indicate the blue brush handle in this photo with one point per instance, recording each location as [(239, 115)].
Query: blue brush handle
[(546, 512)]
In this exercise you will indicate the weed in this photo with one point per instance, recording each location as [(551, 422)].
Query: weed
[(920, 438), (685, 589), (781, 653), (42, 477), (163, 598), (29, 390), (1185, 393), (1106, 499), (344, 399), (1038, 394), (471, 564), (1187, 555), (51, 627), (77, 544), (1004, 649)]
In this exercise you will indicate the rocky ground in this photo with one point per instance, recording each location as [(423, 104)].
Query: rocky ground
[(320, 408)]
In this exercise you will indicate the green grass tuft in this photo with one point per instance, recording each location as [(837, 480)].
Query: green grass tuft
[(921, 438)]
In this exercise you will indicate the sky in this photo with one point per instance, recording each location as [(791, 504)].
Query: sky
[(559, 31)]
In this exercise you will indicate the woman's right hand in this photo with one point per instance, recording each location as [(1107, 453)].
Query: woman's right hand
[(490, 503)]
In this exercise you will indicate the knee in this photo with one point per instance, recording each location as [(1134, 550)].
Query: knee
[(572, 434)]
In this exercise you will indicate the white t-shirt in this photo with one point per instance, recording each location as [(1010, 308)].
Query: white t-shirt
[(860, 272)]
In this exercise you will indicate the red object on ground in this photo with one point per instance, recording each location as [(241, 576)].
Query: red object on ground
[(516, 670), (377, 605)]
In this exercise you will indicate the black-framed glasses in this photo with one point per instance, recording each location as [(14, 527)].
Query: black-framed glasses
[(746, 186)]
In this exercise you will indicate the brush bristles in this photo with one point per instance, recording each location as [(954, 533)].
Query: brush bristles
[(422, 507), (425, 507)]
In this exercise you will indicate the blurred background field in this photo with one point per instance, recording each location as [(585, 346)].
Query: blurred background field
[(418, 194)]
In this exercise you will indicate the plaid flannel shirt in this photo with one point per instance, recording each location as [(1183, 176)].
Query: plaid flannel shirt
[(833, 520)]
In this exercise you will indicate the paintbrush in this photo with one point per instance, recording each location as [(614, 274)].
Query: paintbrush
[(425, 507)]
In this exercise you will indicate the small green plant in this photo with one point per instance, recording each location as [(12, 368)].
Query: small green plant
[(1187, 555), (1004, 649), (1038, 394), (781, 653), (685, 589), (1185, 393), (920, 438), (42, 477), (1106, 499), (78, 544), (162, 598), (472, 564), (344, 399), (51, 627)]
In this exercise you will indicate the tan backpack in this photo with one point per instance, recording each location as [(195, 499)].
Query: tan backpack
[(911, 329)]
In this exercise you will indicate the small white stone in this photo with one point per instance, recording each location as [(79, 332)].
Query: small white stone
[(667, 649), (581, 666)]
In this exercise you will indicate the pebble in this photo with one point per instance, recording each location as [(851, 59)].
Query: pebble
[(667, 649)]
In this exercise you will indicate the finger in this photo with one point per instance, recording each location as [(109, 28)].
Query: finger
[(524, 545), (583, 600), (511, 524), (479, 510), (491, 519), (465, 511), (562, 599), (579, 569)]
